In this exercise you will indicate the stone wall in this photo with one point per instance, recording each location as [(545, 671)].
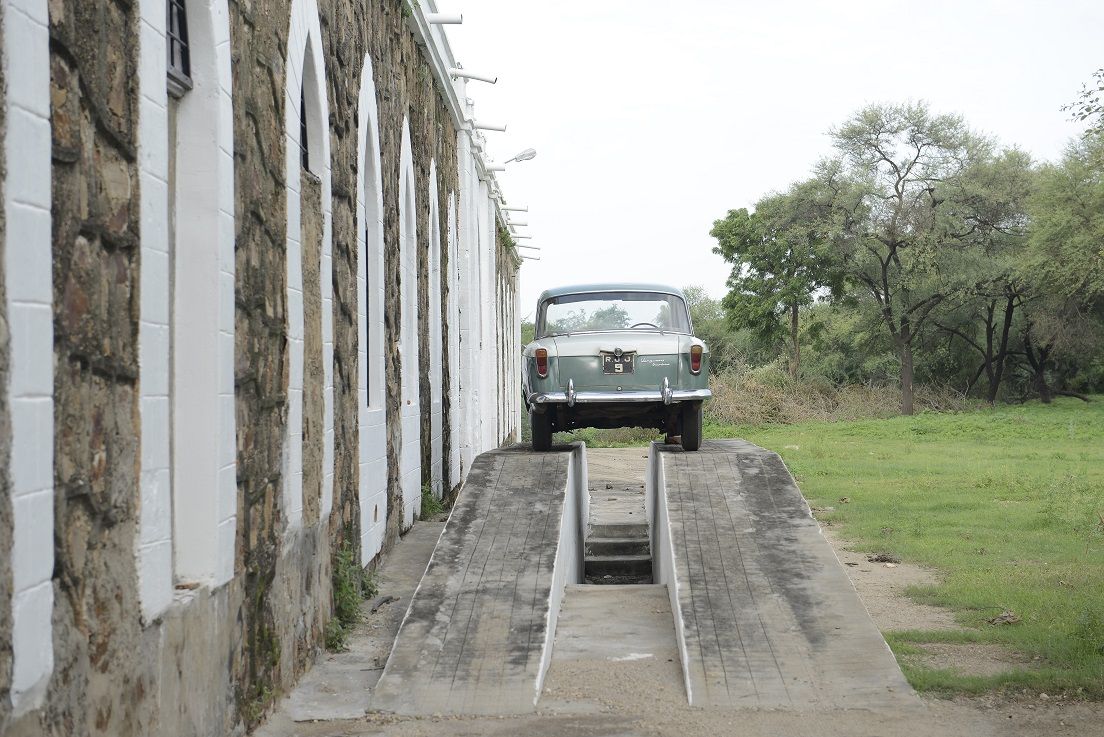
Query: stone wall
[(287, 598), (98, 645), (219, 657)]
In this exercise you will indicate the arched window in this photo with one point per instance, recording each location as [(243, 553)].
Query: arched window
[(176, 46), (410, 456), (436, 375), (305, 129), (201, 304), (304, 140), (371, 392)]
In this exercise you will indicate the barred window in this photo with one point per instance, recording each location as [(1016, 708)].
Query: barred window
[(176, 44)]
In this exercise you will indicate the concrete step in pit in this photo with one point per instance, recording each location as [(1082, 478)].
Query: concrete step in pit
[(617, 554), (618, 548)]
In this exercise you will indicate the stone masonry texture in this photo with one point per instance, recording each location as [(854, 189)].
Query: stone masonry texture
[(217, 660)]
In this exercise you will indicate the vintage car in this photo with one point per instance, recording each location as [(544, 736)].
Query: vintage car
[(615, 355)]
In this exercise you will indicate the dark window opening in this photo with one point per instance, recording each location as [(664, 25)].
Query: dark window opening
[(304, 153), (176, 45)]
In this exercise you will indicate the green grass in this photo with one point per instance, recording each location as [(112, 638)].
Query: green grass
[(1005, 503), (351, 585), (431, 505), (622, 437)]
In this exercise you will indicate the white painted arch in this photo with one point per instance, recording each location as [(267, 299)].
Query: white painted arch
[(436, 373), (453, 318), (204, 470), (410, 456), (29, 309), (372, 419), (306, 71)]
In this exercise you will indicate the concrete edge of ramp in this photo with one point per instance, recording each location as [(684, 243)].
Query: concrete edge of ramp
[(477, 636), (764, 613)]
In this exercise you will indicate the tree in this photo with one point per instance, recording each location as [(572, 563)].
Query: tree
[(897, 162), (1089, 105), (781, 256), (990, 201), (1065, 262), (1067, 224)]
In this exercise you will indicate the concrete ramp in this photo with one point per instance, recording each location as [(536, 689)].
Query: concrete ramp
[(477, 638), (765, 615)]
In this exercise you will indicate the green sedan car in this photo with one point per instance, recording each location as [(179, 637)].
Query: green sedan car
[(615, 355)]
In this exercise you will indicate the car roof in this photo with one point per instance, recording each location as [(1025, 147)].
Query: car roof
[(609, 287)]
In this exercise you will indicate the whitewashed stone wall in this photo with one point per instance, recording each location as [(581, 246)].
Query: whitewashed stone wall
[(204, 536)]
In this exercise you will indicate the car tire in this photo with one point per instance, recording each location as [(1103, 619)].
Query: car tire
[(541, 424), (691, 425)]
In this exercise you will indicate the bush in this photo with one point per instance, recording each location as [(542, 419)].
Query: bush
[(767, 395)]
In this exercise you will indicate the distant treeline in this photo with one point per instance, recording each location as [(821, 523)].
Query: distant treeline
[(920, 251)]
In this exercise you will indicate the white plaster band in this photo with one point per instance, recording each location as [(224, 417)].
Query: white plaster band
[(305, 37), (372, 418), (29, 310)]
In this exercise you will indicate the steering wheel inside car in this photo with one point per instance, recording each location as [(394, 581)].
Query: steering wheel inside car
[(644, 323)]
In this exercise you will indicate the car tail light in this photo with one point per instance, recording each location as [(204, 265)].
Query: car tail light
[(695, 359), (541, 354)]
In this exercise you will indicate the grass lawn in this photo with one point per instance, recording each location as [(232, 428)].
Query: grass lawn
[(1005, 503)]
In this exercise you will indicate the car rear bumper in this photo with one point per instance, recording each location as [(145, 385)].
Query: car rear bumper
[(665, 394)]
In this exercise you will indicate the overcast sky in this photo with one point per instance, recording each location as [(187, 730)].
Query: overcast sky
[(653, 119)]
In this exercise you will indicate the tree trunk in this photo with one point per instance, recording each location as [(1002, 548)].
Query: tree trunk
[(795, 358), (1002, 350), (1038, 357), (1041, 386), (906, 378)]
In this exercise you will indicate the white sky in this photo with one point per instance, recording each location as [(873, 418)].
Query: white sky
[(653, 119)]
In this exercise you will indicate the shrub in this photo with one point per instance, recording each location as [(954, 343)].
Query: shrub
[(767, 395), (352, 584)]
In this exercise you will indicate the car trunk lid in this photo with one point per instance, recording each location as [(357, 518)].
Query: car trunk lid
[(579, 359)]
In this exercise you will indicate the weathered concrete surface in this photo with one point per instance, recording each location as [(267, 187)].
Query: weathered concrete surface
[(475, 638), (641, 629), (767, 615), (339, 684), (615, 480)]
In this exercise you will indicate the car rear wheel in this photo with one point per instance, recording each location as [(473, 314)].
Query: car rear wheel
[(691, 425), (541, 424)]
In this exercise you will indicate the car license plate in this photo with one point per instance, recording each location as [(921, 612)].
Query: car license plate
[(622, 364)]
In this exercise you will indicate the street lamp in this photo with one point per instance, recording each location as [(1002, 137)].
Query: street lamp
[(441, 19), (523, 156), (455, 72)]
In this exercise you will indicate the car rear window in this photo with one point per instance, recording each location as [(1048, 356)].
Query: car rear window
[(594, 311)]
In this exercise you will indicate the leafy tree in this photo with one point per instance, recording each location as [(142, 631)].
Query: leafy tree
[(1067, 233), (781, 255), (1089, 105), (1065, 265), (726, 349), (897, 164), (990, 201), (571, 321), (613, 317)]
